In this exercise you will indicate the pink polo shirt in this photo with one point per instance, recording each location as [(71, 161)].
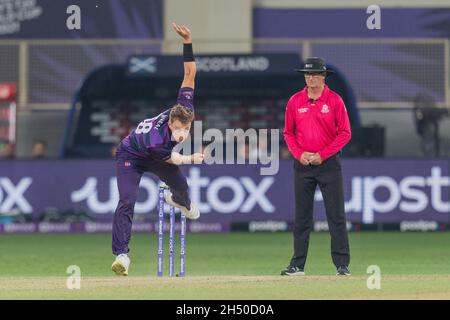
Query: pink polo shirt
[(321, 126)]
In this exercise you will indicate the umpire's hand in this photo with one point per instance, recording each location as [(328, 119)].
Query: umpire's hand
[(315, 159), (305, 158)]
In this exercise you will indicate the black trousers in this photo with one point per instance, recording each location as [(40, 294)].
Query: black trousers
[(328, 176)]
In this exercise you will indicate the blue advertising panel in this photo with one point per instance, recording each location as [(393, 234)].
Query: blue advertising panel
[(376, 191)]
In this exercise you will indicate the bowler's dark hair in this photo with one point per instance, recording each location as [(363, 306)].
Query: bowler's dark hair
[(182, 114)]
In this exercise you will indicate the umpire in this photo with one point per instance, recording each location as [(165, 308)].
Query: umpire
[(316, 129)]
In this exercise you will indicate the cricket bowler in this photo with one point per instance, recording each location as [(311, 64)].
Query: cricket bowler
[(148, 148)]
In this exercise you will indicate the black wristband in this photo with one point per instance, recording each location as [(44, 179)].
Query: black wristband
[(188, 53)]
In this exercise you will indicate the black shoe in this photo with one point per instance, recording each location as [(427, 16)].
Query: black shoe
[(292, 271), (343, 271)]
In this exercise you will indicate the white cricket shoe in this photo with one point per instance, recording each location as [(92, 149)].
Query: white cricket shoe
[(192, 214), (121, 264)]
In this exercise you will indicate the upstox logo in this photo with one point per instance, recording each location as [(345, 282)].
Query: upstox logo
[(246, 194), (412, 194), (12, 195)]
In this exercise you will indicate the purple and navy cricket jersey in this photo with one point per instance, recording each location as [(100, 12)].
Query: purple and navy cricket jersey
[(152, 138)]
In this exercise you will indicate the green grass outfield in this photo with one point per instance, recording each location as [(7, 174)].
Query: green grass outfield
[(226, 266)]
